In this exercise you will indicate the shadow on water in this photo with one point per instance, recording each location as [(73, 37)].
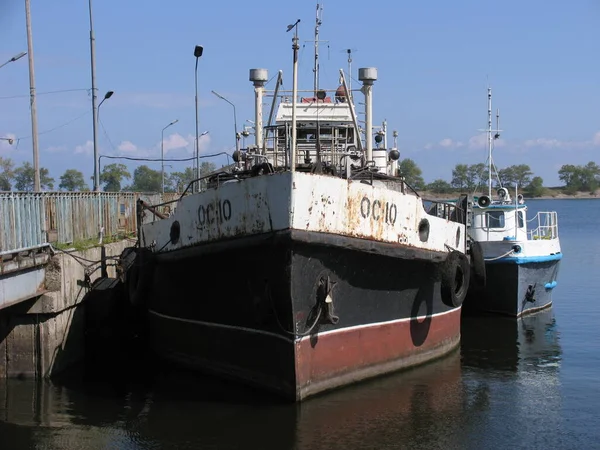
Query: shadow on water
[(147, 405), (138, 402)]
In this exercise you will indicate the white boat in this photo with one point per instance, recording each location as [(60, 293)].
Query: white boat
[(310, 264), (520, 256)]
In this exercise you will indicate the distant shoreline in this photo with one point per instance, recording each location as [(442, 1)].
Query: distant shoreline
[(556, 196)]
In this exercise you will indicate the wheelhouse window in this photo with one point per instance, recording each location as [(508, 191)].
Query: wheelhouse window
[(520, 219), (494, 219)]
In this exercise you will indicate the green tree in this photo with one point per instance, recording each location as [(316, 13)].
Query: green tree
[(439, 186), (517, 175), (7, 173), (146, 179), (72, 180), (24, 178), (522, 175), (477, 176), (178, 181), (536, 187), (460, 176), (507, 176), (580, 178), (207, 167), (591, 176), (411, 173), (112, 176)]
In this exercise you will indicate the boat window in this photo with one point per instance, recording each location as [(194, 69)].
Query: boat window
[(495, 219), (521, 222)]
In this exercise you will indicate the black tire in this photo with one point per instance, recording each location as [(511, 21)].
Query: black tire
[(456, 275), (262, 169), (478, 272), (139, 277)]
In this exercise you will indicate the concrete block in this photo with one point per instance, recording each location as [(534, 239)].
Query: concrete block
[(44, 336)]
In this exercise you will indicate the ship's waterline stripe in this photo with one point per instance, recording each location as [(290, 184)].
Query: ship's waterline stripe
[(527, 259), (298, 339)]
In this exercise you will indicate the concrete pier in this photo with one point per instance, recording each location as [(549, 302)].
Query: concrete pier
[(43, 336)]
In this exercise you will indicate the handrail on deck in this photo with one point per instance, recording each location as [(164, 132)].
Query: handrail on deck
[(547, 226)]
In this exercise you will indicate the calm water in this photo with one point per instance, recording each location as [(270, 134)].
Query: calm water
[(528, 384)]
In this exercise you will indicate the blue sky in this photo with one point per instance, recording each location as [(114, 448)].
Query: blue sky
[(434, 60)]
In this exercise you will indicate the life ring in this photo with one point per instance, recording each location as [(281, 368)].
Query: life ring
[(478, 272), (139, 277), (455, 279)]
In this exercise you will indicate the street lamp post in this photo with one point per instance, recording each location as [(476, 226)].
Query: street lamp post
[(197, 53), (94, 99), (162, 154), (33, 107), (295, 47), (106, 97), (13, 59), (9, 140), (234, 116)]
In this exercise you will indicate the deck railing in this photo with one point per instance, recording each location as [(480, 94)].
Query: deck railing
[(30, 220), (547, 225)]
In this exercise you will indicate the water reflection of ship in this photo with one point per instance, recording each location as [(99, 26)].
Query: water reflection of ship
[(183, 410), (416, 409), (530, 343), (407, 407)]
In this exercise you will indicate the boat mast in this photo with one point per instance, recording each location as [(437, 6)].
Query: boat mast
[(349, 51), (318, 22), (490, 142), (491, 139)]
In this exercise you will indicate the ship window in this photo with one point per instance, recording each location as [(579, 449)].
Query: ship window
[(495, 219), (520, 218)]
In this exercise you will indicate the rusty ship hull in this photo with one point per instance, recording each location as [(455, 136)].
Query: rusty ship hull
[(256, 320), (299, 292)]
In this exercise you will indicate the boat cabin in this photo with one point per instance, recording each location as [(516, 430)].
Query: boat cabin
[(324, 129), (498, 220)]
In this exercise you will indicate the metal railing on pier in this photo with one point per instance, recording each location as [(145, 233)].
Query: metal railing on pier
[(30, 220)]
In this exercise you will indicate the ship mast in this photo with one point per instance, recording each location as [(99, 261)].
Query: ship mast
[(318, 22), (349, 51), (492, 136), (490, 142)]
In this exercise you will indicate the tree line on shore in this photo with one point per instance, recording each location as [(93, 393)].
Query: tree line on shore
[(465, 177), (113, 178), (470, 177)]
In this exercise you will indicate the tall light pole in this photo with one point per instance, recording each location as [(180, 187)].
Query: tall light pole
[(162, 154), (295, 47), (234, 116), (94, 107), (13, 59), (33, 107), (197, 53)]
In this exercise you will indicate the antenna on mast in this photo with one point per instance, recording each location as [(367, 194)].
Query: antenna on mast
[(492, 135), (318, 22), (490, 142), (349, 51)]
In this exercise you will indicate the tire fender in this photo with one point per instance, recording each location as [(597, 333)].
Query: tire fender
[(139, 277), (456, 275), (478, 272)]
